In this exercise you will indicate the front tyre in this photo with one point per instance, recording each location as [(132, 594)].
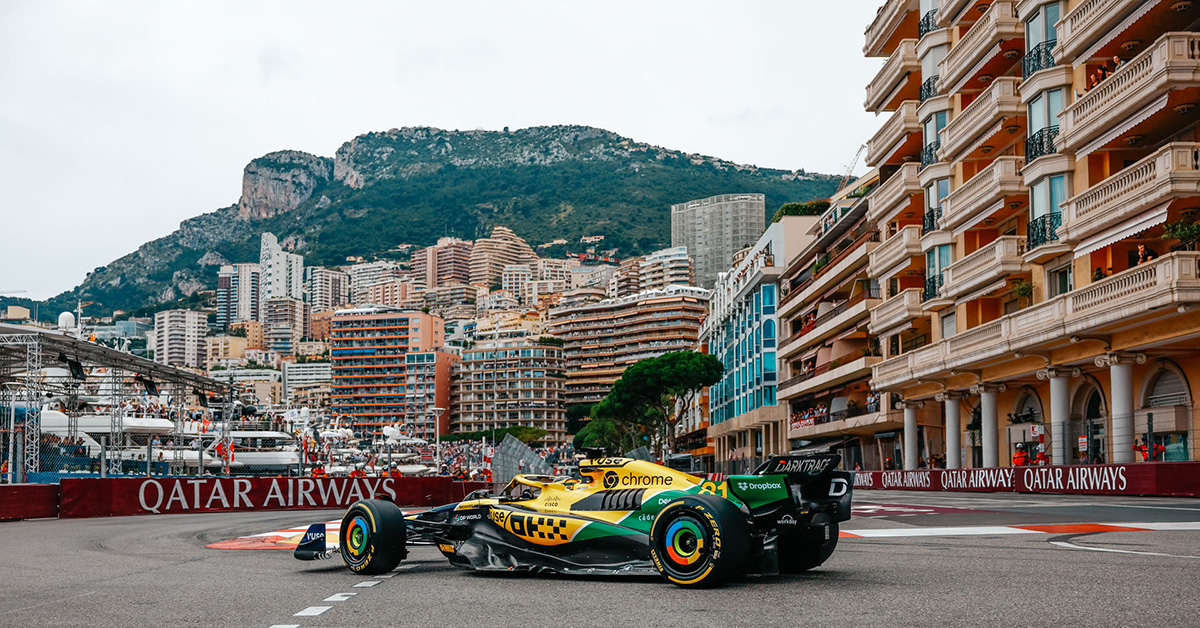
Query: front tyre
[(700, 541), (372, 536), (809, 548)]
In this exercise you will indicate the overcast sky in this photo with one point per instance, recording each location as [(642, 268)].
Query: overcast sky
[(120, 119)]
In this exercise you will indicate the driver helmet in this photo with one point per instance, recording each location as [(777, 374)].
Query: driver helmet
[(1020, 446)]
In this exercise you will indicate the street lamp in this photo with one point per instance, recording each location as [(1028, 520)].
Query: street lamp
[(437, 432)]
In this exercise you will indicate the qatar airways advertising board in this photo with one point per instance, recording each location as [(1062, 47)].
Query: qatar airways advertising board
[(1161, 478)]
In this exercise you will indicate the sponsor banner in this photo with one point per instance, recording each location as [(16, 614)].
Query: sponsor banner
[(28, 501), (1157, 478), (141, 496)]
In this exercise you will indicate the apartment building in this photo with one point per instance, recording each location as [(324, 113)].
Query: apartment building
[(366, 274), (714, 228), (491, 255), (253, 331), (368, 347), (427, 392), (668, 267), (1038, 171), (305, 378), (746, 418), (237, 293), (224, 350), (394, 292), (179, 337), (510, 382), (600, 340), (326, 288), (285, 324), (281, 273), (445, 263)]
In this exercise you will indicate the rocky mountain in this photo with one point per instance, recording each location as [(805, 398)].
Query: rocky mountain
[(413, 185)]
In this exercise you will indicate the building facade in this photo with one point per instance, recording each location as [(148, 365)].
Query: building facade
[(510, 382), (367, 349), (326, 288), (491, 255), (445, 263), (179, 338), (306, 377), (237, 293), (1038, 174), (601, 340), (714, 228), (427, 392), (281, 274), (285, 324), (367, 274), (668, 267)]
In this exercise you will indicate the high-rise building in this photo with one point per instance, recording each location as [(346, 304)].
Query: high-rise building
[(744, 330), (445, 263), (714, 228), (600, 340), (511, 382), (281, 273), (367, 274), (368, 346), (514, 279), (1038, 189), (326, 288), (179, 337), (253, 331), (626, 280), (427, 392), (299, 376), (285, 323), (237, 293), (319, 324), (393, 292), (490, 256)]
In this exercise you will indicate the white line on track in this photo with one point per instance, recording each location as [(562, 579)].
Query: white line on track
[(339, 597), (286, 626), (1115, 551), (407, 566), (312, 611), (366, 583), (974, 531), (386, 576)]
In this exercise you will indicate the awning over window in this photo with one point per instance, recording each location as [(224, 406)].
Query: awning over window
[(1117, 30), (1130, 227), (995, 285), (1123, 127)]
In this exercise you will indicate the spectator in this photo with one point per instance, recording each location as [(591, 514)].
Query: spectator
[(1020, 457), (1145, 254)]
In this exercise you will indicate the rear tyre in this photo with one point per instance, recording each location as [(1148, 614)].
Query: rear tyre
[(372, 536), (700, 541), (809, 548)]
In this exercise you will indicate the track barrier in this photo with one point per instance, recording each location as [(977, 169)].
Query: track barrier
[(1179, 479), (181, 495), (28, 501)]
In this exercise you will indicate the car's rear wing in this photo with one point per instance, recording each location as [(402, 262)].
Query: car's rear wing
[(816, 476)]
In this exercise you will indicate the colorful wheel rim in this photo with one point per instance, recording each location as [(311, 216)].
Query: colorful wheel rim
[(685, 542), (356, 537)]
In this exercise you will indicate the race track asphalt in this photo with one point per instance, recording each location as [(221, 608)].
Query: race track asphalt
[(155, 571)]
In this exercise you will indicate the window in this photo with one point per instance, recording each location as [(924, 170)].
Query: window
[(1044, 110), (931, 60), (1169, 390), (935, 193), (1046, 196), (937, 259), (933, 125), (1040, 27), (1059, 281), (949, 325)]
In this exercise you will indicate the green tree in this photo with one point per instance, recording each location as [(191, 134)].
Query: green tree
[(654, 392)]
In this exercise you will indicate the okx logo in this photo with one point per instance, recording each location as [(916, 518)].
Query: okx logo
[(610, 479)]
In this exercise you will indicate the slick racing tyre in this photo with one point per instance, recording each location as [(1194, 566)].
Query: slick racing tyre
[(808, 548), (700, 541), (372, 536)]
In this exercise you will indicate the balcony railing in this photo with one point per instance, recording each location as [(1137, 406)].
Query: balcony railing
[(887, 20), (976, 197), (896, 311), (929, 154), (901, 246), (1000, 23), (903, 122), (1168, 281), (1043, 229), (933, 287), (993, 261), (1171, 172), (999, 101), (1170, 63), (928, 23), (929, 88), (1038, 58), (1089, 20), (933, 219), (1041, 143), (896, 70), (894, 192)]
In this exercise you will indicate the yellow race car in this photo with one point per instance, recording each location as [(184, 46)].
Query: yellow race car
[(623, 516)]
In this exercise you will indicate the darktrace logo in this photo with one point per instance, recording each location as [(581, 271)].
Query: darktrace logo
[(611, 480)]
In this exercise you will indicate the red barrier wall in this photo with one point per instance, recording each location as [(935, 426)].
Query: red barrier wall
[(87, 497), (28, 501), (1154, 478)]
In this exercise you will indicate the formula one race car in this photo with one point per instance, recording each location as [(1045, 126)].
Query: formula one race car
[(624, 517)]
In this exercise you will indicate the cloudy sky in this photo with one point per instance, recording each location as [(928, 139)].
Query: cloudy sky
[(120, 119)]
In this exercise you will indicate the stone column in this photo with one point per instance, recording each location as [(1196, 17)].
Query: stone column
[(950, 402), (988, 428), (1120, 370), (910, 434), (1060, 410)]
